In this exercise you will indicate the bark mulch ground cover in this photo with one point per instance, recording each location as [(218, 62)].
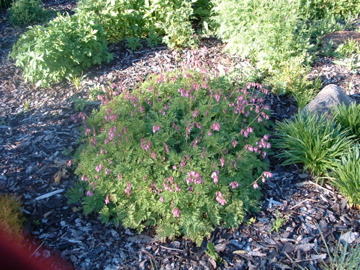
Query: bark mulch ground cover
[(38, 135)]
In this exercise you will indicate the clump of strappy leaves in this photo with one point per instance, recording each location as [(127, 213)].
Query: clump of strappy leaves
[(183, 153)]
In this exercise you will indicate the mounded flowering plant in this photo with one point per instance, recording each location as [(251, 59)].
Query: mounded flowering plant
[(182, 153)]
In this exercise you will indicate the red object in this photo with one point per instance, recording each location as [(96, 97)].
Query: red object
[(14, 256)]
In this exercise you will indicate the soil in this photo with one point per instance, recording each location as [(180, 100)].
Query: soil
[(38, 136)]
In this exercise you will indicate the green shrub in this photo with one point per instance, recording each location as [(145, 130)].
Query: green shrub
[(312, 140), (318, 9), (346, 175), (61, 50), (183, 152), (5, 3), (280, 37), (27, 12), (140, 19), (11, 219), (348, 118), (267, 32)]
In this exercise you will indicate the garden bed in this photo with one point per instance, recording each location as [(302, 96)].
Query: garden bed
[(38, 129)]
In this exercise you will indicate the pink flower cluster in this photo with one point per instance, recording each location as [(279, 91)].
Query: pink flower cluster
[(246, 131), (156, 128), (194, 177), (176, 212), (145, 144), (215, 176), (99, 167), (128, 188), (216, 126), (110, 117), (220, 198), (170, 185), (234, 184)]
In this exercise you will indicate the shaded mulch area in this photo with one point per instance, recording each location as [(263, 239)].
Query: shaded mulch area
[(38, 136)]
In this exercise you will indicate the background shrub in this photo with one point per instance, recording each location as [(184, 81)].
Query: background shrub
[(139, 18), (279, 37), (27, 12), (318, 9), (183, 153), (61, 50), (5, 3)]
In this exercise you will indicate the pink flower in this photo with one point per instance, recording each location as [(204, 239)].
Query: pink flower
[(120, 176), (89, 193), (84, 178), (217, 97), (166, 148), (107, 171), (222, 161), (145, 144), (215, 176), (175, 167), (153, 155), (182, 163), (255, 185), (128, 188), (219, 198), (161, 199), (156, 128), (175, 126), (267, 174), (234, 143), (188, 128), (216, 126), (176, 212), (194, 177), (87, 131), (234, 184), (99, 167), (195, 113), (107, 201)]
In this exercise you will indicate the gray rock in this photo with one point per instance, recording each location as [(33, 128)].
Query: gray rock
[(329, 97)]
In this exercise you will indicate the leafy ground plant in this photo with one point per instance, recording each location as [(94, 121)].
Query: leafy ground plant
[(312, 140), (183, 153)]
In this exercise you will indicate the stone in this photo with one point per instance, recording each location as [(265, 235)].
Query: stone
[(329, 97), (339, 37)]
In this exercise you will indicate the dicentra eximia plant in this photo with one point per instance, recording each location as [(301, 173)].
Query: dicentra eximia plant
[(183, 153)]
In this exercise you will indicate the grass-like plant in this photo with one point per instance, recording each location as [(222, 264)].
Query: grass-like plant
[(348, 117), (346, 176), (11, 219), (341, 257), (312, 140), (183, 152)]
